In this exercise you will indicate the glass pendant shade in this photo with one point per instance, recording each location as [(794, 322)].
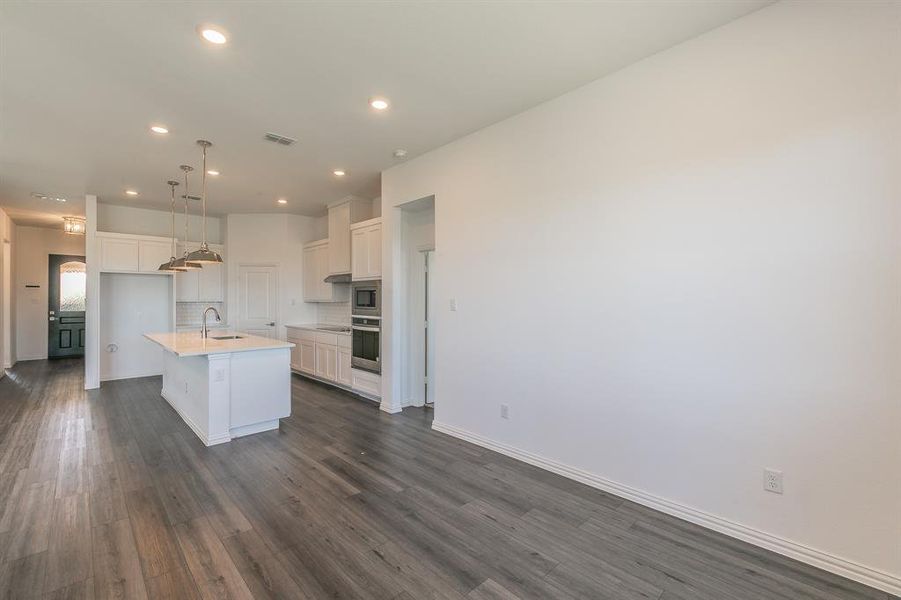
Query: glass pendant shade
[(74, 225)]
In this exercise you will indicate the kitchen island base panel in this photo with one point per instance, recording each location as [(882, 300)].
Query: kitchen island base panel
[(224, 396)]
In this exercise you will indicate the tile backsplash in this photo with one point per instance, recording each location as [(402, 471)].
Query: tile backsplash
[(333, 313), (191, 313)]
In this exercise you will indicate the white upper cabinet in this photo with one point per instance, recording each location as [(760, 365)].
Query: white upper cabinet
[(204, 285), (315, 270), (366, 250), (340, 216), (126, 253)]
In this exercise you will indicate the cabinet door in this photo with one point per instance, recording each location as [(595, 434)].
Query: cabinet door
[(119, 255), (295, 353), (307, 356), (186, 286), (327, 361), (344, 375), (310, 272), (210, 283), (152, 254), (374, 245), (339, 239), (325, 289), (359, 254)]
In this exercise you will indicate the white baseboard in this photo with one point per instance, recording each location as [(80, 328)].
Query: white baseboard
[(130, 376), (207, 440), (823, 560)]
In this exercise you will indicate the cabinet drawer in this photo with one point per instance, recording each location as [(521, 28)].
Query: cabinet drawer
[(367, 383)]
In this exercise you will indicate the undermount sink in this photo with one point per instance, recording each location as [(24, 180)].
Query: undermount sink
[(227, 337)]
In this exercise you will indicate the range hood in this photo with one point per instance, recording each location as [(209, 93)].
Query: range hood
[(338, 278)]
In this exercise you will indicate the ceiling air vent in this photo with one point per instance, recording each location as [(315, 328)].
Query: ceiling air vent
[(279, 139)]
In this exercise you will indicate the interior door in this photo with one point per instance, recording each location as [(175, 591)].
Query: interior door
[(66, 303), (258, 299)]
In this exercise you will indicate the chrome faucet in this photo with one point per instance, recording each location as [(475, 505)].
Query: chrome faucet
[(204, 330)]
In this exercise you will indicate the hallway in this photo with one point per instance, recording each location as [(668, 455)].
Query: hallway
[(109, 494)]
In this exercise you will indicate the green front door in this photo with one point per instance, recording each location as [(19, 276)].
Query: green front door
[(66, 297)]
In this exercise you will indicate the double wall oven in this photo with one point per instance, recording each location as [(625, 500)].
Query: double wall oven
[(366, 325)]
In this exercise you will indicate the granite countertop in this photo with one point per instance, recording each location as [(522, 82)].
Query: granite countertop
[(190, 343)]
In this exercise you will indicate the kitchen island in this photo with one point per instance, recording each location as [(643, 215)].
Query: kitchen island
[(227, 385)]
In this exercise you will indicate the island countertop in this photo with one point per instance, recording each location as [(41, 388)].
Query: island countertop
[(190, 343)]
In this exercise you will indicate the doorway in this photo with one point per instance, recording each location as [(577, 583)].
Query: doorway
[(258, 300), (67, 279), (6, 319)]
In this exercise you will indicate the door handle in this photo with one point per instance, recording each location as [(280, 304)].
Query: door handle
[(53, 318), (272, 324)]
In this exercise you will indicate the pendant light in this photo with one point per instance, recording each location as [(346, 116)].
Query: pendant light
[(183, 264), (204, 254), (170, 264)]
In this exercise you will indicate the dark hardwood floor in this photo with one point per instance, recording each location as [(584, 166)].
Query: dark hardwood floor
[(108, 494)]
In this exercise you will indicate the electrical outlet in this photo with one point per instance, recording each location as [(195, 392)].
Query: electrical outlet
[(505, 411), (772, 481)]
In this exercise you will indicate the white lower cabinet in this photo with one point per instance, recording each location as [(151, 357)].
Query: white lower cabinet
[(344, 374), (326, 356), (366, 383), (307, 356)]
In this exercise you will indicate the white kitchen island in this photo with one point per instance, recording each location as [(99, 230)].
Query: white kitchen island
[(226, 388)]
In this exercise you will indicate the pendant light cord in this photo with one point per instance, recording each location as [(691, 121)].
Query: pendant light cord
[(203, 196), (186, 214), (172, 185)]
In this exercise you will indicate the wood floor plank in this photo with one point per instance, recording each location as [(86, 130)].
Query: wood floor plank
[(30, 531), (212, 568), (173, 585), (154, 537), (117, 566), (69, 559), (265, 576)]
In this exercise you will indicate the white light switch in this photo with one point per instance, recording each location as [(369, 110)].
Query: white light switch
[(219, 375), (453, 304)]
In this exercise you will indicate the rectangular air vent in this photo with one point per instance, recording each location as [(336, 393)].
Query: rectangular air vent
[(279, 139)]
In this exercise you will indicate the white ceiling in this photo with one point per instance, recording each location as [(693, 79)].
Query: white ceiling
[(81, 82)]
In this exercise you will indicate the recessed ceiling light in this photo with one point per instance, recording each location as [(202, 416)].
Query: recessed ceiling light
[(378, 103), (131, 192), (159, 129), (400, 153), (282, 201), (212, 172), (212, 34), (339, 173), (60, 199)]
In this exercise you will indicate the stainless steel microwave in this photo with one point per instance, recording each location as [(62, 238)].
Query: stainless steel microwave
[(366, 298)]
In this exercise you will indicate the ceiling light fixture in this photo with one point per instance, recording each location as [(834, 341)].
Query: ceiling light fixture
[(400, 153), (204, 254), (60, 199), (159, 129), (282, 201), (212, 34), (74, 225), (212, 172), (169, 265), (339, 173), (378, 103), (131, 192), (183, 264)]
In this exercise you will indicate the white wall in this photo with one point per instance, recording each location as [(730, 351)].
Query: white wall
[(272, 239), (686, 272), (33, 246), (7, 292), (143, 221), (130, 306)]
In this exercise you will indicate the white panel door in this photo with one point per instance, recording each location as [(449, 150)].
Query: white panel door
[(258, 299)]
